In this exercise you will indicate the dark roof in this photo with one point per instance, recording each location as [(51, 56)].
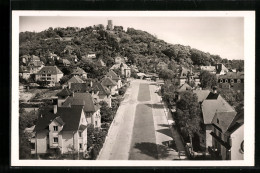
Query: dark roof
[(50, 70), (212, 96), (78, 70), (113, 75), (236, 123), (106, 81), (36, 63), (232, 75), (75, 79), (68, 116), (97, 86), (225, 119), (90, 104), (82, 127), (79, 87), (64, 93)]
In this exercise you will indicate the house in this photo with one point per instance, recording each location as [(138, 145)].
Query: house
[(221, 69), (52, 74), (60, 128), (125, 70), (35, 66), (115, 78), (65, 62), (110, 84), (101, 93), (187, 76), (100, 62), (227, 136), (79, 72), (73, 79), (34, 58), (63, 95), (234, 80), (24, 72), (90, 106), (211, 69), (214, 103), (67, 39)]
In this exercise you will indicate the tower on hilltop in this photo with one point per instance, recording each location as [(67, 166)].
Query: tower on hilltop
[(109, 25)]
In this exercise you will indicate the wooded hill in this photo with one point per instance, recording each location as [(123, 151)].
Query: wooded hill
[(142, 49)]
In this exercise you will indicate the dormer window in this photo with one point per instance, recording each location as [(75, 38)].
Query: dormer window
[(221, 81), (226, 80), (55, 128)]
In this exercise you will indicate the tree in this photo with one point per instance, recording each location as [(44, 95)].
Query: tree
[(166, 74), (64, 79), (106, 112), (207, 79), (188, 114)]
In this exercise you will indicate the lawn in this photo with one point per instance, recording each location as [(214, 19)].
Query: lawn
[(143, 146), (144, 93)]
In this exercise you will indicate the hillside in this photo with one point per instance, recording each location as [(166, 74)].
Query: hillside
[(142, 49)]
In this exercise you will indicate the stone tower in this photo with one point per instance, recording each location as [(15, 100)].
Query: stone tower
[(109, 25)]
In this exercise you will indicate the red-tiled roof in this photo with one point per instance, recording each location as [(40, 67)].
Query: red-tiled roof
[(50, 70)]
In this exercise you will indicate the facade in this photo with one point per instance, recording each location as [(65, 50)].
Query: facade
[(234, 80), (52, 74), (63, 129)]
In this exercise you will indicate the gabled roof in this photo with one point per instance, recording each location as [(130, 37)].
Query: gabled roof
[(113, 75), (50, 70), (75, 79), (90, 105), (201, 94), (106, 81), (212, 96), (211, 106), (79, 87), (64, 93), (69, 117), (232, 75), (97, 86), (225, 119), (36, 63), (184, 87), (236, 123), (78, 71)]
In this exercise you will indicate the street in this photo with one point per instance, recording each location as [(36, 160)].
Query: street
[(140, 130)]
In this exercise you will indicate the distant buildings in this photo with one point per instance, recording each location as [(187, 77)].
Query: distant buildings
[(234, 80), (120, 64), (79, 72), (109, 25)]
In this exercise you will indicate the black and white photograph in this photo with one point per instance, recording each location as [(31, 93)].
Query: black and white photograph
[(114, 88)]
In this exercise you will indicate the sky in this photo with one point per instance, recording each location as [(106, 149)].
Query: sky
[(223, 36)]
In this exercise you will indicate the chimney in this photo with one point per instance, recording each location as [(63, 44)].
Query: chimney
[(214, 89), (55, 105)]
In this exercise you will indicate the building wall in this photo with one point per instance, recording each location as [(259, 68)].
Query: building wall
[(41, 142), (237, 137), (208, 135), (67, 141), (53, 134)]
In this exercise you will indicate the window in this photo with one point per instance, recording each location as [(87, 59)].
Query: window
[(238, 81), (48, 78), (217, 120), (48, 74), (232, 80), (80, 134), (221, 81), (95, 123), (32, 146), (55, 128), (226, 80), (80, 146), (55, 140)]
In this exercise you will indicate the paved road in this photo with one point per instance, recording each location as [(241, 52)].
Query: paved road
[(140, 130)]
